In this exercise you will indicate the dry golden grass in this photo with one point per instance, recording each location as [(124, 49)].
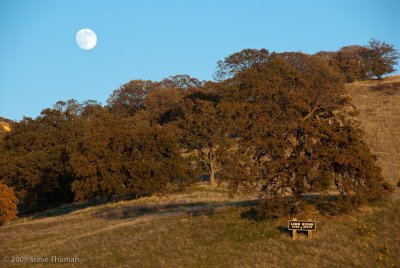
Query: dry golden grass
[(5, 127), (204, 228), (379, 106)]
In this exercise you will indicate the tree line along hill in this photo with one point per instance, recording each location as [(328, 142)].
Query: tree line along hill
[(277, 124)]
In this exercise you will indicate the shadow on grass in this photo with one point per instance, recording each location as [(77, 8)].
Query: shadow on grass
[(387, 88), (252, 214), (327, 205), (189, 208), (284, 230), (64, 209)]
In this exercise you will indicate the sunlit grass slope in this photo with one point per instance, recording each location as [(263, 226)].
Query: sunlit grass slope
[(379, 106), (203, 228)]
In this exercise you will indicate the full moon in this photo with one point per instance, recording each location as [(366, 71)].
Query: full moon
[(86, 39)]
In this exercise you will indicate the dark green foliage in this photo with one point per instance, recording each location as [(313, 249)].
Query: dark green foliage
[(34, 161), (82, 151), (119, 158)]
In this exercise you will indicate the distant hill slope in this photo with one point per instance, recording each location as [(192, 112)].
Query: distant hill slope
[(379, 106), (5, 127)]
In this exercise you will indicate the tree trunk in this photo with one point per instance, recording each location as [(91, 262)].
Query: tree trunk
[(212, 174)]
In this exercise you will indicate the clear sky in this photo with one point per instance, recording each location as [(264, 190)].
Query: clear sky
[(40, 62)]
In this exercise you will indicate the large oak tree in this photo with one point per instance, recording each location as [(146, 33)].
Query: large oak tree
[(297, 135)]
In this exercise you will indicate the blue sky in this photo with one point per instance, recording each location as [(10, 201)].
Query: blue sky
[(40, 62)]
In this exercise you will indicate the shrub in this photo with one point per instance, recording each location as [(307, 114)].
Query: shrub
[(278, 206), (8, 204)]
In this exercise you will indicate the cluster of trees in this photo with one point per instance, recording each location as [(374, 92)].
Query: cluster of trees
[(80, 151), (279, 124), (363, 62)]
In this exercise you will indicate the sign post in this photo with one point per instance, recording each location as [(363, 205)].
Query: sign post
[(301, 225)]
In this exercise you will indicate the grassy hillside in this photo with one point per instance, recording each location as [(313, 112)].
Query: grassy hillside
[(203, 228), (207, 228), (379, 105)]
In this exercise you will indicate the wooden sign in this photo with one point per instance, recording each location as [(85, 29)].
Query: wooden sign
[(301, 225)]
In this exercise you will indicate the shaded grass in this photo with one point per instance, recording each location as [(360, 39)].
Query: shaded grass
[(163, 209), (387, 88)]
